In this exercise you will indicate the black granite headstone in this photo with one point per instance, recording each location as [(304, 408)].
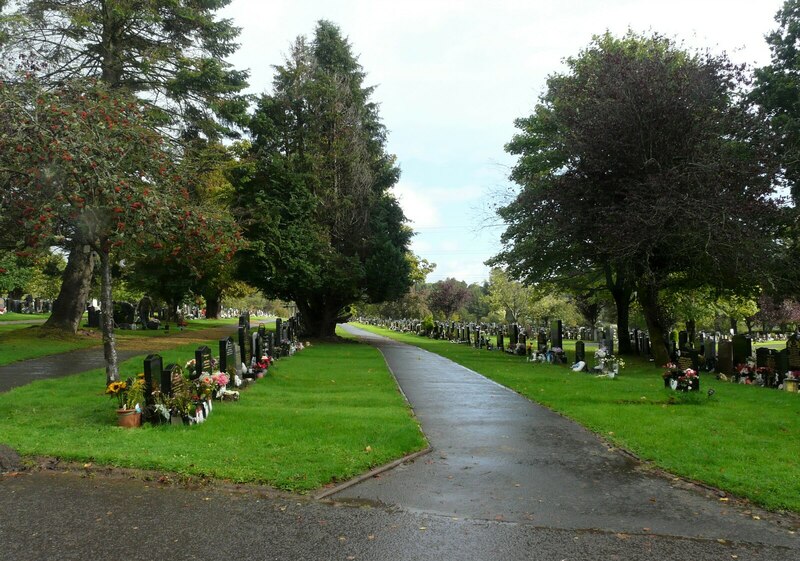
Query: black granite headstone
[(153, 366)]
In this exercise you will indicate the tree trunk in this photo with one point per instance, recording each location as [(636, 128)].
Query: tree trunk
[(623, 304), (75, 286), (622, 299), (648, 299), (213, 304), (319, 322), (107, 302), (734, 329)]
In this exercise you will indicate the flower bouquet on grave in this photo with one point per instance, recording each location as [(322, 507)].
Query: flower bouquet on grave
[(746, 373), (765, 376), (220, 380), (261, 366), (681, 380)]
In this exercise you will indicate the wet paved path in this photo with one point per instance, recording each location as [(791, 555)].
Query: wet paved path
[(498, 456)]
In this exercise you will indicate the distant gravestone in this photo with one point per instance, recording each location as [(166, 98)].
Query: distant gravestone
[(541, 342), (762, 357), (683, 340), (689, 359), (255, 344), (513, 336), (742, 349), (278, 331), (782, 364), (244, 320), (202, 362), (725, 358), (227, 355), (500, 344), (153, 366), (271, 344), (244, 340), (580, 351), (710, 352), (94, 317), (793, 353), (556, 334)]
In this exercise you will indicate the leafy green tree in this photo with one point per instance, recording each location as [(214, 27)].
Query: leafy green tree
[(448, 296), (776, 87), (642, 163), (324, 230), (510, 296), (15, 275), (478, 306), (82, 163), (171, 53)]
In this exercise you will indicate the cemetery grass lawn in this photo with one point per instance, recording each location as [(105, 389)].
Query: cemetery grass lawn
[(328, 413), (744, 440), (11, 316), (22, 342)]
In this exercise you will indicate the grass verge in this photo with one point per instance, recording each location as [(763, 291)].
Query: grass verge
[(326, 414), (22, 342), (12, 316), (744, 440)]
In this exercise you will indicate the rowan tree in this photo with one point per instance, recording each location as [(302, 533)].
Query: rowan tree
[(82, 166), (170, 53)]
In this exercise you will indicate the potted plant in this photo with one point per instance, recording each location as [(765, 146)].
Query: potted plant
[(129, 396)]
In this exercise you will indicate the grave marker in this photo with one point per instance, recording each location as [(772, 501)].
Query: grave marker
[(227, 355), (725, 358), (580, 351), (153, 366), (742, 349), (556, 334), (793, 352), (202, 362)]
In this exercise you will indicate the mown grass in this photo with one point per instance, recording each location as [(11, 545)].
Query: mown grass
[(745, 440), (12, 316), (325, 414), (21, 342)]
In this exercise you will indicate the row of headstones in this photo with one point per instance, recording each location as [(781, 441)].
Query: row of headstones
[(479, 335), (156, 373), (256, 344), (723, 356), (28, 305), (154, 369)]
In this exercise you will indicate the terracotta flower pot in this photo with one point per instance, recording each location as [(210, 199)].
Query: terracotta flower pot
[(128, 418)]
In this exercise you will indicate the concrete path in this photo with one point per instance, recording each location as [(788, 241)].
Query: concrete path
[(498, 456)]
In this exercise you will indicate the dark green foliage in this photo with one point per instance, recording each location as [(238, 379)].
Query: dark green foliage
[(173, 51), (645, 166), (314, 199)]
